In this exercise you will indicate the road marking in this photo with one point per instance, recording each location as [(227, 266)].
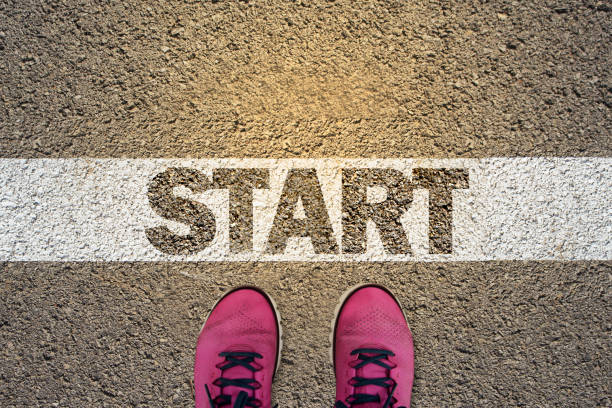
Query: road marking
[(99, 210)]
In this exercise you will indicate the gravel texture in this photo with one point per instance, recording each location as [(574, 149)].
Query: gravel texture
[(305, 78), (442, 79), (493, 334)]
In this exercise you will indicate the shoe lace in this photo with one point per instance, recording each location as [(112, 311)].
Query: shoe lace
[(367, 356), (243, 400)]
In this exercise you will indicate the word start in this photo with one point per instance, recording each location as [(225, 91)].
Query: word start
[(301, 193)]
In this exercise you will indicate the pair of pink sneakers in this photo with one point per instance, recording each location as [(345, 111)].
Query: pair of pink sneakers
[(239, 347)]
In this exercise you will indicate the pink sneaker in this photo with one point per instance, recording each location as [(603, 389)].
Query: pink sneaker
[(372, 351), (238, 352)]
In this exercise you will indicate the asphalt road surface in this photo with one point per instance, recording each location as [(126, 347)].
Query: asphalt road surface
[(271, 79)]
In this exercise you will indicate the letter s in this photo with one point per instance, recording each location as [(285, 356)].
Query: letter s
[(199, 217)]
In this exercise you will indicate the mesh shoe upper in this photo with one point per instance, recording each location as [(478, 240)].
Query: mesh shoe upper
[(373, 351), (237, 350)]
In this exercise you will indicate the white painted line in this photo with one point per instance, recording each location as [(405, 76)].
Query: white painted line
[(98, 210)]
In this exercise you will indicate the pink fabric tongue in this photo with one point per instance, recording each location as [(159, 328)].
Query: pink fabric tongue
[(233, 374), (370, 371)]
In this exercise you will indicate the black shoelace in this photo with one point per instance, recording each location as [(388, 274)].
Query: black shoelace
[(378, 357), (243, 400)]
